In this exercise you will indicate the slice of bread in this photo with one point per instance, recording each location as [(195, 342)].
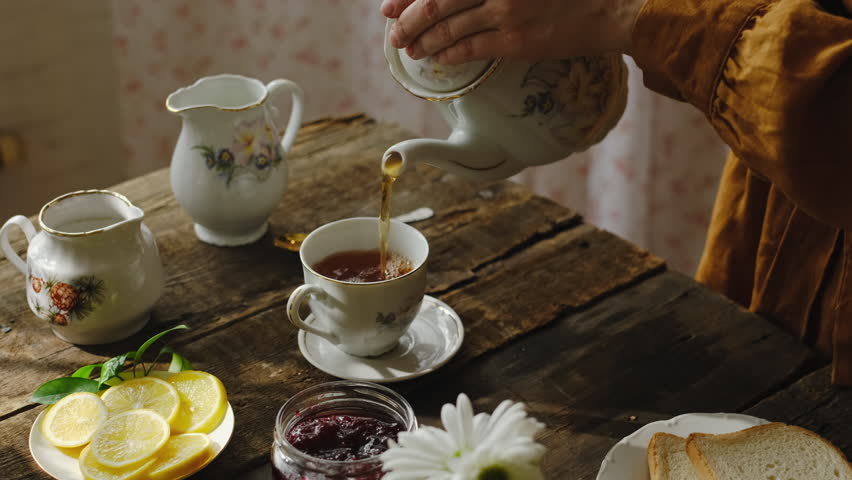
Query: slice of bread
[(667, 459), (767, 452)]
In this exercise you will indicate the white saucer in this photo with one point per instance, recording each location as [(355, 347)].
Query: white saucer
[(430, 342), (60, 464), (628, 460)]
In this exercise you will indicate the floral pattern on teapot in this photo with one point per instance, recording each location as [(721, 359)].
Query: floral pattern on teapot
[(62, 302), (572, 94), (255, 149)]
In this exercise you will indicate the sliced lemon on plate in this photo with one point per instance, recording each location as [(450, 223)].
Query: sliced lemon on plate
[(139, 373), (92, 470), (130, 437), (73, 420), (181, 456), (146, 392), (203, 401)]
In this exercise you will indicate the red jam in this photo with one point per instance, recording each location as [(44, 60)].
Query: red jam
[(337, 431), (343, 437)]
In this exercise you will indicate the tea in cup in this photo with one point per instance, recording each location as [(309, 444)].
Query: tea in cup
[(354, 306)]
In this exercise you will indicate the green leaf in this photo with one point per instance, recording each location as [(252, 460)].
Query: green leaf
[(54, 390), (111, 368), (87, 371), (141, 351), (204, 148), (179, 362)]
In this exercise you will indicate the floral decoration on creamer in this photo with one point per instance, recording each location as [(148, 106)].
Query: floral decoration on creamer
[(255, 149)]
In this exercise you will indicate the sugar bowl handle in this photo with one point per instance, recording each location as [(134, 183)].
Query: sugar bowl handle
[(294, 304), (295, 110), (24, 224)]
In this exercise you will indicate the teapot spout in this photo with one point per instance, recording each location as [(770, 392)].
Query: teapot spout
[(474, 158)]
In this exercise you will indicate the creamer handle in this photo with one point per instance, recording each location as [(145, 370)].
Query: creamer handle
[(295, 121), (24, 224)]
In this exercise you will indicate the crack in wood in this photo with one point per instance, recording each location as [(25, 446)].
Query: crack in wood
[(814, 407), (810, 366), (537, 237), (454, 286), (20, 410)]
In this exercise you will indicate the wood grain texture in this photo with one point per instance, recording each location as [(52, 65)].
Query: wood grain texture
[(658, 349), (585, 327), (469, 229), (261, 381), (491, 245)]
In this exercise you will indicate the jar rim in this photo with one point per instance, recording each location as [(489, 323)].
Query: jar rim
[(409, 419)]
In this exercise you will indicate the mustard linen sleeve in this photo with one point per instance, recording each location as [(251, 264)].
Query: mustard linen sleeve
[(775, 80)]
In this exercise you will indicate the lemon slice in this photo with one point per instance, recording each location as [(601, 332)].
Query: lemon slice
[(92, 470), (203, 401), (145, 392), (139, 373), (130, 437), (72, 421), (182, 456)]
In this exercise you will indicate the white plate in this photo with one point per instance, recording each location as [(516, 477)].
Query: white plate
[(435, 335), (60, 464), (628, 460)]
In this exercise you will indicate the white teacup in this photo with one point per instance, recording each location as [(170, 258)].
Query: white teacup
[(362, 319)]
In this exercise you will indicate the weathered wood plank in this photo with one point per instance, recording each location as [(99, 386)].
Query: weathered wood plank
[(550, 278), (337, 179), (813, 403), (260, 381), (661, 348)]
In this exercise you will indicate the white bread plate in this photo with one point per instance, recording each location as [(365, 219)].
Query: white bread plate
[(628, 459)]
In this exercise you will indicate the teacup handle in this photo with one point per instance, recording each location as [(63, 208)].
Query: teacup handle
[(294, 304), (295, 111), (24, 224)]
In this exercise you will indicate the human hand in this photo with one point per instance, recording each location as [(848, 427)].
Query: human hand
[(459, 31)]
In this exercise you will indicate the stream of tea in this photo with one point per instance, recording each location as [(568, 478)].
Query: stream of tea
[(390, 171)]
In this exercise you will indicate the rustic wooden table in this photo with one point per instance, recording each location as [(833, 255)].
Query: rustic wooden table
[(595, 334)]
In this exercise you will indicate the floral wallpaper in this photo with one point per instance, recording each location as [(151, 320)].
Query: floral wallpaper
[(652, 180)]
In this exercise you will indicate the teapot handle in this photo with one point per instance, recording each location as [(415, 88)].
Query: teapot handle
[(24, 224), (295, 111)]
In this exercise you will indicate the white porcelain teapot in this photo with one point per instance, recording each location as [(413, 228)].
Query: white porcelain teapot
[(94, 271), (229, 167), (507, 116)]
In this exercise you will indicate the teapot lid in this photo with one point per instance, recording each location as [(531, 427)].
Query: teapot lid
[(431, 80)]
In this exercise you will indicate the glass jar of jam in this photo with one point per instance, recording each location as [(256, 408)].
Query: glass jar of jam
[(336, 430)]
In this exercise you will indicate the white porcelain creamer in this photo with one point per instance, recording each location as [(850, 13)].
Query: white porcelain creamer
[(229, 167), (93, 271)]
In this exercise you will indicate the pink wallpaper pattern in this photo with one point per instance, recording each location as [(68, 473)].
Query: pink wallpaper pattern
[(652, 180)]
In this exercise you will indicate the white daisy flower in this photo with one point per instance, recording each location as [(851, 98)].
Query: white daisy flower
[(500, 446)]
